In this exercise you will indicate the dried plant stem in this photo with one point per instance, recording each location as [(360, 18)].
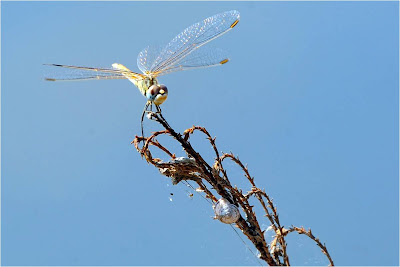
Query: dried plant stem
[(308, 233), (196, 169)]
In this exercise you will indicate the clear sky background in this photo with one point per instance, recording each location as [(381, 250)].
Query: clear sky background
[(309, 101)]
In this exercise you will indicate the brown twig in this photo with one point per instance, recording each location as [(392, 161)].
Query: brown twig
[(308, 233), (195, 168)]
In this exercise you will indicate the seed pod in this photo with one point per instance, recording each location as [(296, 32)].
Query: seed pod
[(226, 212)]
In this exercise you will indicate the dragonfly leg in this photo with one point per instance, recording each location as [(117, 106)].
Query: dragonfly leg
[(161, 116), (144, 111), (149, 109)]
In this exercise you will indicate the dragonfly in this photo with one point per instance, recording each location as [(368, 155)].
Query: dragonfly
[(184, 52)]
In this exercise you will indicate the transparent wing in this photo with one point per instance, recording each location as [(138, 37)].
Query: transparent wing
[(76, 73), (156, 61), (147, 57), (203, 57)]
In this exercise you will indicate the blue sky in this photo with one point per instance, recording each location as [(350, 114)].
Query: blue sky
[(309, 101)]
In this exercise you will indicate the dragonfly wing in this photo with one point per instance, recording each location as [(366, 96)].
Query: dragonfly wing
[(186, 42), (147, 57), (203, 57), (77, 73)]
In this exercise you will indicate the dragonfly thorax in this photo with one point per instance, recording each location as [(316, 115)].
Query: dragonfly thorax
[(145, 83)]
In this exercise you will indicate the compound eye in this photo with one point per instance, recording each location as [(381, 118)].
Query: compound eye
[(154, 89), (163, 89)]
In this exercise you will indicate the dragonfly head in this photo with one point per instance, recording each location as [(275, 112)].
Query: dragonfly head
[(157, 93)]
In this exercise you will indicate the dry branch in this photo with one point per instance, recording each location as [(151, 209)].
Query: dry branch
[(214, 178)]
